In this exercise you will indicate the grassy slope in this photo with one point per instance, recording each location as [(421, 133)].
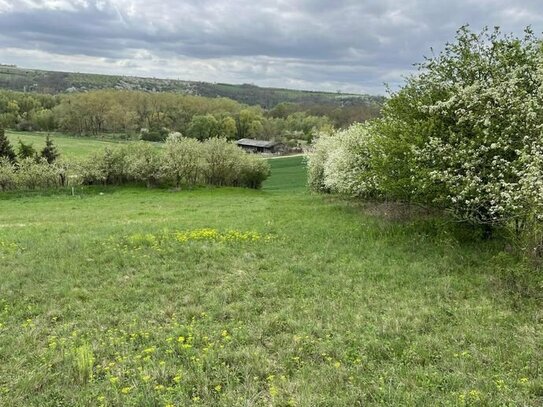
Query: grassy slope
[(339, 308), (71, 147), (288, 175), (20, 79)]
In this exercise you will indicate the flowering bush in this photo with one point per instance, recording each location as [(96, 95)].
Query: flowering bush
[(107, 167), (224, 163), (254, 172), (316, 161), (143, 163), (347, 168), (182, 160), (465, 134), (482, 104), (7, 174), (37, 174), (341, 162)]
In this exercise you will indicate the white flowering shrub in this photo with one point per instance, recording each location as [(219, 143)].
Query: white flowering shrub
[(317, 157), (34, 174), (465, 134), (182, 160), (478, 108), (254, 172), (7, 174), (106, 167), (347, 168), (226, 164), (143, 163)]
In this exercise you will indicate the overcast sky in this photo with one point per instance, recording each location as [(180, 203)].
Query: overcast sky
[(349, 45)]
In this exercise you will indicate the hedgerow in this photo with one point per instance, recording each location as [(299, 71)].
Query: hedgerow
[(182, 162)]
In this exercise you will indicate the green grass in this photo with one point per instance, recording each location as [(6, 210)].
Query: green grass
[(69, 147), (288, 174), (323, 304)]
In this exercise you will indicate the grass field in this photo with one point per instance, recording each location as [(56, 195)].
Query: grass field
[(69, 147), (231, 297), (288, 175)]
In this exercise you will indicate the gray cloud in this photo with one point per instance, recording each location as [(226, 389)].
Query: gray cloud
[(318, 44)]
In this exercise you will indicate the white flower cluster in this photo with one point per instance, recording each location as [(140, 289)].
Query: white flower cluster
[(340, 162), (485, 148)]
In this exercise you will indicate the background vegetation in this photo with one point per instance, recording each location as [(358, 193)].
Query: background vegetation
[(39, 81), (126, 107), (152, 116)]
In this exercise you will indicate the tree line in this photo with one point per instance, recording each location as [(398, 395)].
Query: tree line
[(152, 116), (49, 152)]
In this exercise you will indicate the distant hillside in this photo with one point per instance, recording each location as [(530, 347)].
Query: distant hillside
[(33, 80)]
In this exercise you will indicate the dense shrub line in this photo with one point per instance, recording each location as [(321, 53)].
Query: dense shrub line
[(181, 162), (465, 134), (32, 174)]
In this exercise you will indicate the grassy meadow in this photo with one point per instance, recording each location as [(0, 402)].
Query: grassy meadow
[(69, 146), (277, 297)]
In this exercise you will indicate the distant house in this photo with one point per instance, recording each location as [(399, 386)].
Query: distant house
[(259, 146)]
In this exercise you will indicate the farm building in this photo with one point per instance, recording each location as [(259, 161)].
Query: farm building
[(259, 146)]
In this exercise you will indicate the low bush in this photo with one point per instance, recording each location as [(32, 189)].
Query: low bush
[(31, 174), (254, 172), (106, 167), (142, 163), (7, 175), (223, 162), (182, 161), (317, 159), (348, 168), (36, 174)]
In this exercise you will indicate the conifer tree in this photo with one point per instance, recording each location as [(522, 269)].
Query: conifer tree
[(6, 150), (25, 150), (50, 152)]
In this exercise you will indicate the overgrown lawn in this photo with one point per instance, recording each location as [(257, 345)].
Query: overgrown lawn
[(120, 297)]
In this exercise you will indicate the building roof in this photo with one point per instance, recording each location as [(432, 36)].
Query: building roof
[(256, 143)]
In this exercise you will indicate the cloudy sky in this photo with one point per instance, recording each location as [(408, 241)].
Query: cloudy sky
[(349, 45)]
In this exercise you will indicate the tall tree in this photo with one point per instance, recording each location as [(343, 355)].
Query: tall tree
[(6, 150), (203, 127)]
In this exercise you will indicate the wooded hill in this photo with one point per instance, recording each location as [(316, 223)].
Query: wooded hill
[(41, 81)]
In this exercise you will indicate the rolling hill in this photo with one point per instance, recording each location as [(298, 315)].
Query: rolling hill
[(33, 80)]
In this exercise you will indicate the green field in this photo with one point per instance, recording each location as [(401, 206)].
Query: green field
[(232, 297), (69, 147), (288, 175)]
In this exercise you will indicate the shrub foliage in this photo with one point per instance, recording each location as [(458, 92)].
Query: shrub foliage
[(464, 134), (182, 162)]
